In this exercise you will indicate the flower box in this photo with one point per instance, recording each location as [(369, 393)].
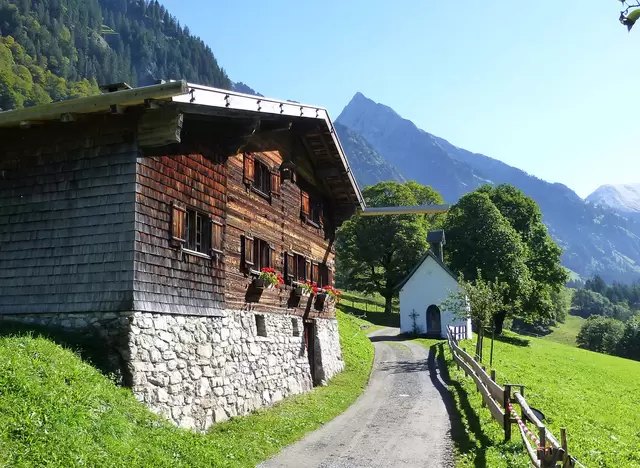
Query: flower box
[(299, 291), (261, 283)]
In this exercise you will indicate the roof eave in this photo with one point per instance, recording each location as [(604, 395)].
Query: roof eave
[(92, 104)]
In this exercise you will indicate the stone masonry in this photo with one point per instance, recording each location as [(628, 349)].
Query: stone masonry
[(201, 370), (197, 370), (328, 354)]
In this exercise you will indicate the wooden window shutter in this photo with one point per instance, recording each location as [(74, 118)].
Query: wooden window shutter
[(247, 252), (305, 205), (274, 257), (316, 274), (289, 267), (249, 169), (308, 265), (275, 182), (329, 276), (217, 231), (178, 225)]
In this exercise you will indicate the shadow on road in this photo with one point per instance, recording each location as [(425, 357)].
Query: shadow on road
[(378, 338), (435, 362)]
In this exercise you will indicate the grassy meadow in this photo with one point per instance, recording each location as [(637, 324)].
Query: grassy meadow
[(593, 395), (58, 411), (566, 333)]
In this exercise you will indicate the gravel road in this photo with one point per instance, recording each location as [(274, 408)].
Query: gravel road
[(401, 419)]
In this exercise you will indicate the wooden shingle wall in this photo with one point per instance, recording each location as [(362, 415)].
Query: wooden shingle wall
[(67, 200), (167, 279)]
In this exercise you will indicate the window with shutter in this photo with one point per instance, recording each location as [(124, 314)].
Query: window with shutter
[(257, 254), (178, 221), (315, 274), (217, 232), (275, 183), (325, 275), (308, 269), (262, 178), (249, 169), (305, 208)]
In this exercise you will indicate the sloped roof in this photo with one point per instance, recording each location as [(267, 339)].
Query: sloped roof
[(322, 142), (429, 254)]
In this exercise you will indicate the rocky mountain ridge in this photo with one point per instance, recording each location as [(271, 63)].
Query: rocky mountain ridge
[(595, 239)]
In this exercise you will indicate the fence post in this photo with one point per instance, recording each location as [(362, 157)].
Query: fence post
[(563, 441), (542, 450), (507, 413)]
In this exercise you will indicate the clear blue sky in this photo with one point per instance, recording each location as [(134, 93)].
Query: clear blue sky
[(547, 86)]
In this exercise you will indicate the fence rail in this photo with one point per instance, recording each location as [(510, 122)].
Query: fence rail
[(546, 451)]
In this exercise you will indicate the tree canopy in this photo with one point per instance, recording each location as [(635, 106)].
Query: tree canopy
[(374, 254), (499, 232), (58, 49)]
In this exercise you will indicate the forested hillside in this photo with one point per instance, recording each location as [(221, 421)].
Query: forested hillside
[(56, 49)]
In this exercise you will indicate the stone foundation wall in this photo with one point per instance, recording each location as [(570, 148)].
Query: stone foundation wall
[(328, 353), (197, 370), (201, 370)]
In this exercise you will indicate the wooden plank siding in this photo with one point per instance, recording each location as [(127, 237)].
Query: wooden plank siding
[(67, 201), (167, 278), (276, 220)]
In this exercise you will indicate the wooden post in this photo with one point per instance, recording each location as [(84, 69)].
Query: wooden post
[(542, 451), (566, 459), (507, 414)]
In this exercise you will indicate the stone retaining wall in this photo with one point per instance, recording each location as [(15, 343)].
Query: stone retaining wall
[(198, 371), (202, 370), (328, 354)]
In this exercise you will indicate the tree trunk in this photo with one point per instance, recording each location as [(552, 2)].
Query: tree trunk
[(387, 303)]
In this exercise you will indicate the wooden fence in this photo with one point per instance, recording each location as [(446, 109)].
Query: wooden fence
[(546, 451)]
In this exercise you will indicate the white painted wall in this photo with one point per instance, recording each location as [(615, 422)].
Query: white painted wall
[(430, 284)]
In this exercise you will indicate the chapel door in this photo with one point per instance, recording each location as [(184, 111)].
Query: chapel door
[(434, 325)]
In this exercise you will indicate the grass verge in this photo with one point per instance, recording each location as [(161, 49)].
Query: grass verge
[(58, 411), (593, 395)]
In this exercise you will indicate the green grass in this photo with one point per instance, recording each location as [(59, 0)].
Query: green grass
[(370, 308), (57, 411), (566, 333), (593, 395)]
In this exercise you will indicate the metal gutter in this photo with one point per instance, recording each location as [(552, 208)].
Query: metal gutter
[(403, 210), (89, 104)]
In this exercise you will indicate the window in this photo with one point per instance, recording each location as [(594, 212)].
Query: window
[(295, 327), (311, 208), (197, 232), (262, 182), (257, 254), (258, 176), (261, 326), (296, 267)]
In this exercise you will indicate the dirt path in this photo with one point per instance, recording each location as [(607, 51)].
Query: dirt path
[(401, 420)]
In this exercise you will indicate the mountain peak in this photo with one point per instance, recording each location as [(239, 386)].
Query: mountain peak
[(620, 197)]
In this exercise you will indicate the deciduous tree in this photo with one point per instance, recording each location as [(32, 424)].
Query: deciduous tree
[(374, 254)]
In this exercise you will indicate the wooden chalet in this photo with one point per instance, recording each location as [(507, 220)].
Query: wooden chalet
[(167, 201)]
